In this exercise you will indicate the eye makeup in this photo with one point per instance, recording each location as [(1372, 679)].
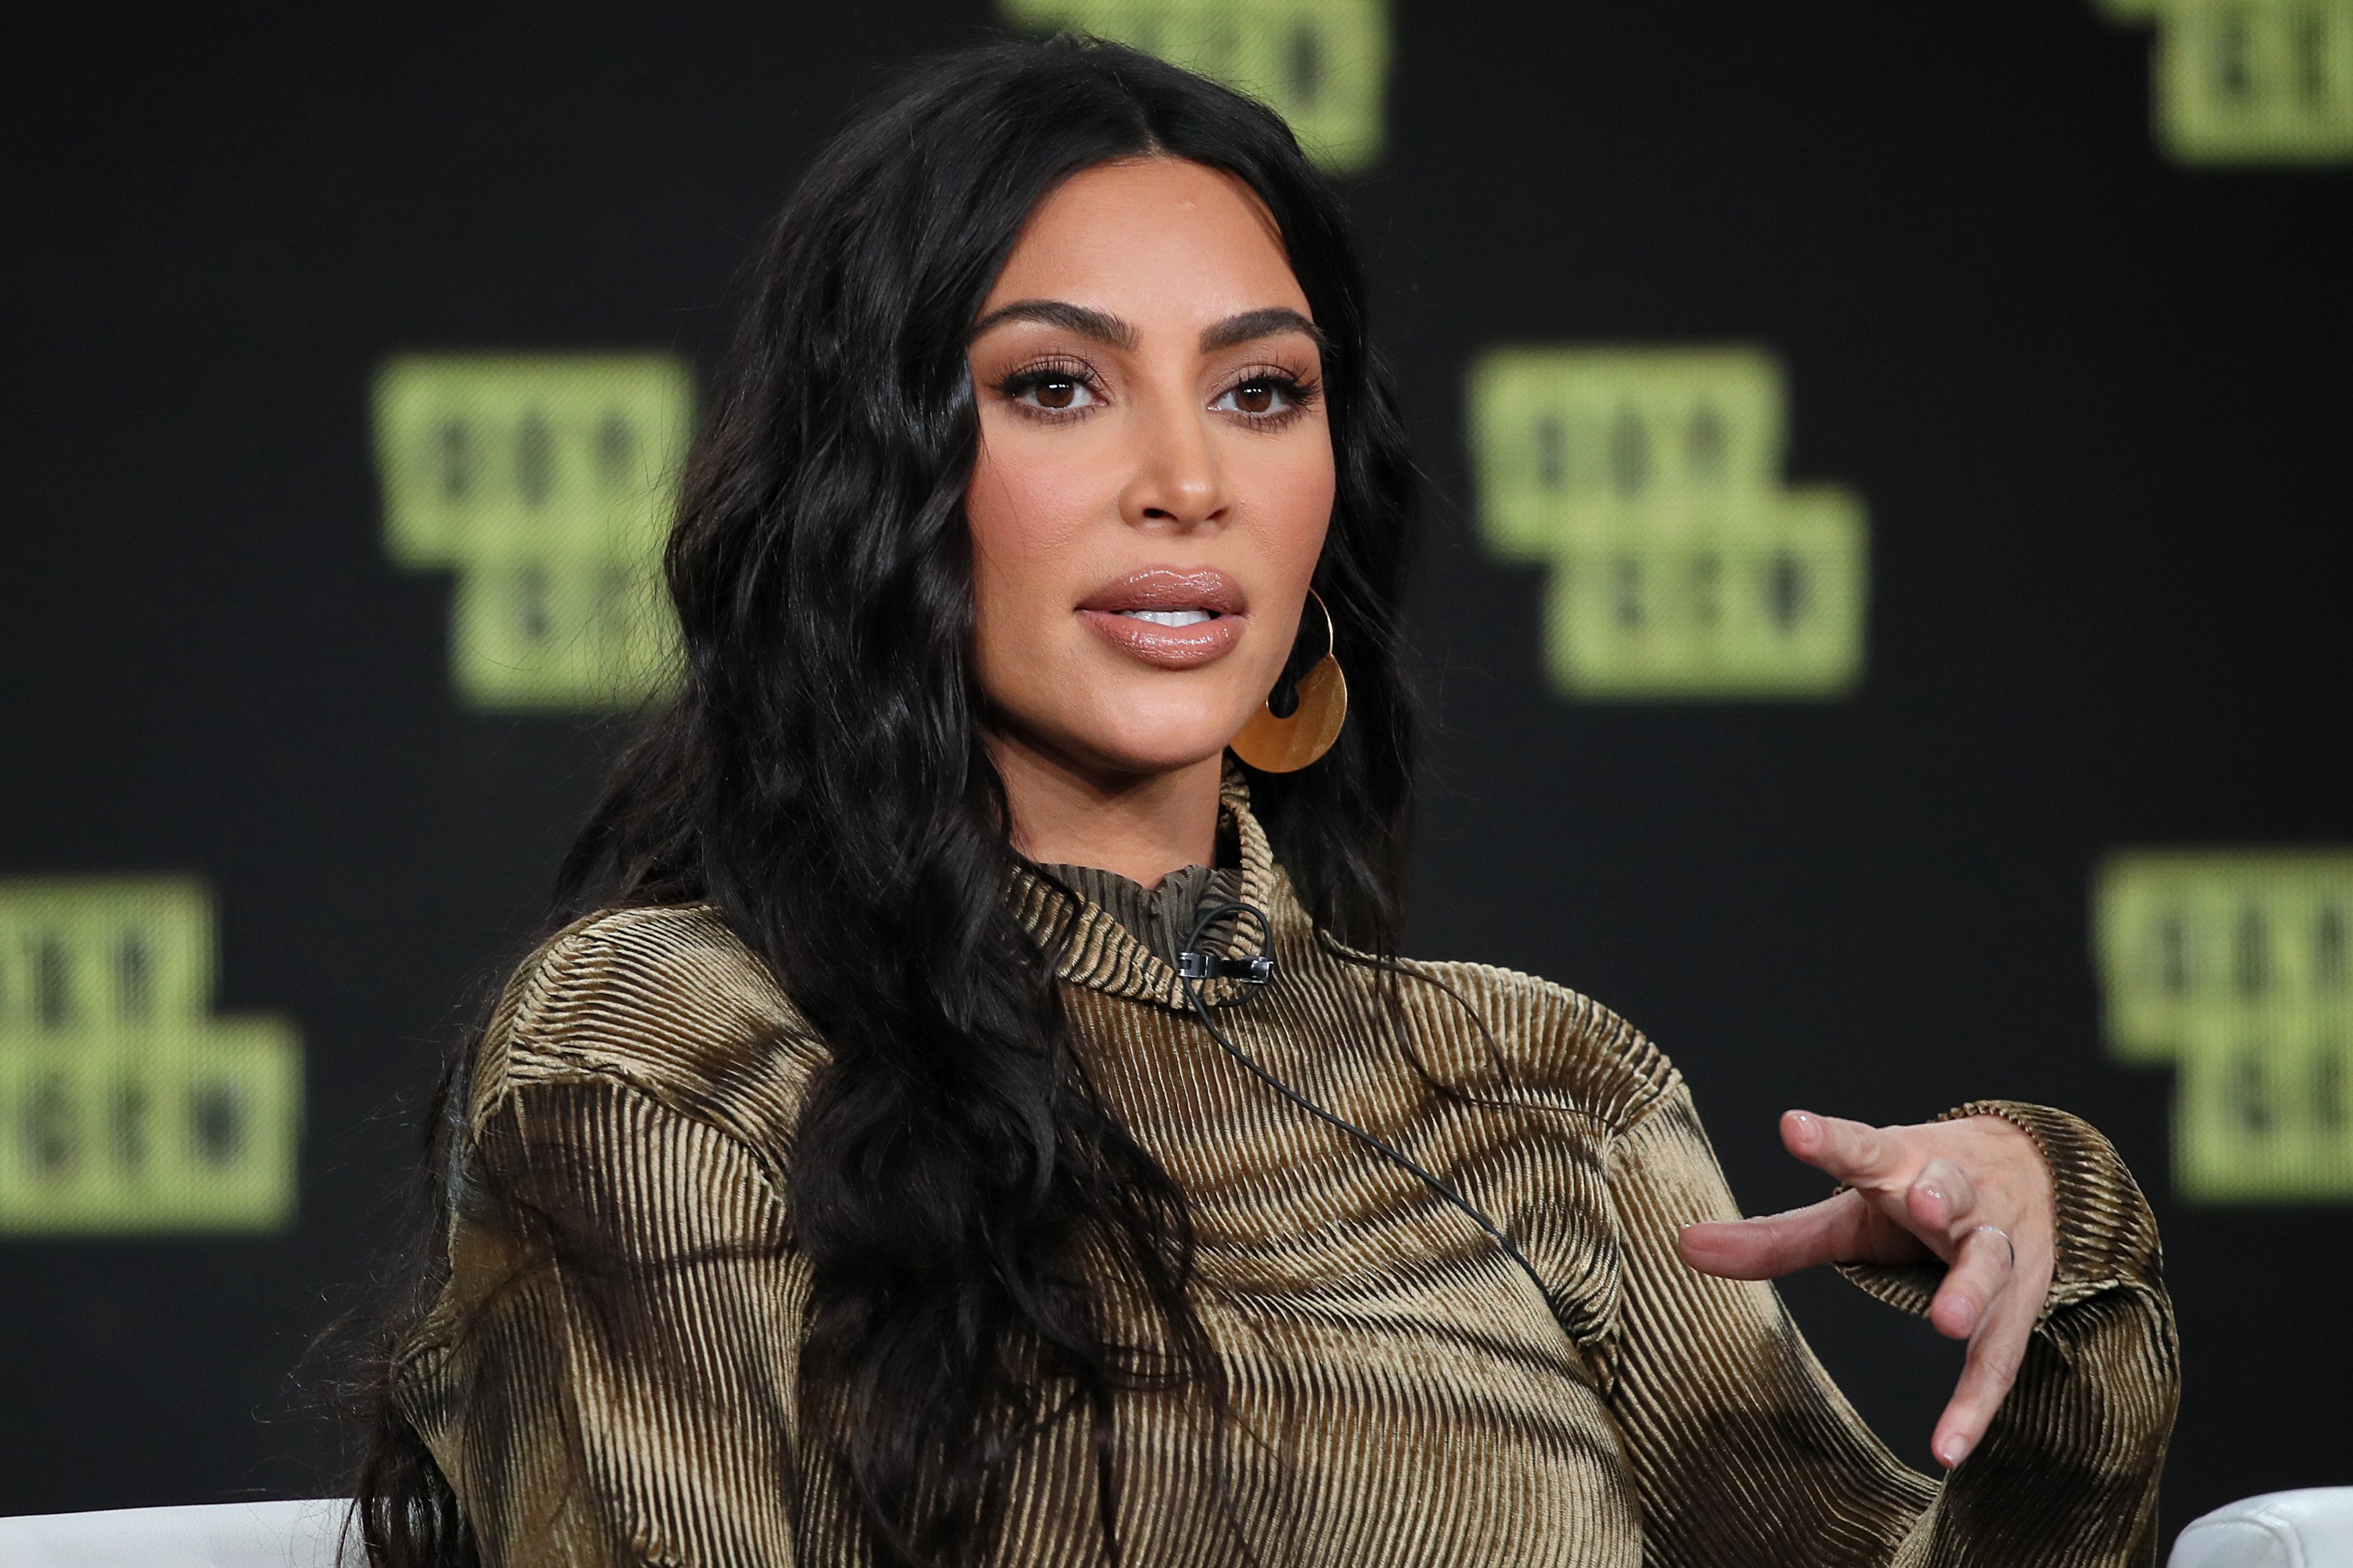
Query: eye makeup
[(1054, 389), (1268, 396), (1059, 389)]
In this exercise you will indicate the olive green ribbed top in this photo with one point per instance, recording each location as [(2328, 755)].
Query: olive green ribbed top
[(1406, 1396), (1160, 917)]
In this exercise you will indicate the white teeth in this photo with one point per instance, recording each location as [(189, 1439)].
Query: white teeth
[(1171, 617)]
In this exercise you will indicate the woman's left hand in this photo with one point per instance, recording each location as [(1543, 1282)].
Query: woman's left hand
[(1974, 1192)]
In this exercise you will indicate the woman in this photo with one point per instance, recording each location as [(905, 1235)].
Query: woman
[(911, 1164)]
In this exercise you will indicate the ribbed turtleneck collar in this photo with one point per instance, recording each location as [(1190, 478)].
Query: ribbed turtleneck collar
[(1161, 917), (1111, 935)]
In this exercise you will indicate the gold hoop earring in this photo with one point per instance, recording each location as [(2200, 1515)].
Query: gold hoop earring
[(1286, 744)]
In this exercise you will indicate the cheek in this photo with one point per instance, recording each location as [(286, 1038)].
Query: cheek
[(1310, 506), (1292, 490), (998, 505), (1001, 552), (1024, 513)]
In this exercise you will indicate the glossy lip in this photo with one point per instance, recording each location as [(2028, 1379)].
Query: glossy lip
[(1166, 588)]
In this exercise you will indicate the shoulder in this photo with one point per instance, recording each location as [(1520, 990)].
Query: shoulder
[(1556, 1046), (666, 1000)]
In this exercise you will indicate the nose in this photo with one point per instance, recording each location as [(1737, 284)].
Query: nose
[(1178, 484)]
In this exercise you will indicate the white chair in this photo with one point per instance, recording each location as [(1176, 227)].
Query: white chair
[(303, 1534), (2309, 1529)]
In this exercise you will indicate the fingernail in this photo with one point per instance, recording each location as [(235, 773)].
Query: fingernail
[(1955, 1449), (1932, 1192)]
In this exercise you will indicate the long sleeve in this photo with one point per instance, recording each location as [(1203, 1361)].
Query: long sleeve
[(1743, 1451), (611, 1378)]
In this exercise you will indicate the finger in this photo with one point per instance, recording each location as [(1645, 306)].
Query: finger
[(1834, 1230), (1940, 1199), (1857, 1154), (1994, 1358), (1982, 1272)]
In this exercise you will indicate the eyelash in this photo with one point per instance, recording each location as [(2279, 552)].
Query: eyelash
[(1048, 372), (1298, 395)]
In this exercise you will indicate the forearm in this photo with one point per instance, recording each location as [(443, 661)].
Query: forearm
[(1745, 1451), (2069, 1464)]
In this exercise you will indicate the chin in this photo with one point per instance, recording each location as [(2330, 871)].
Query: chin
[(1140, 740), (1146, 755)]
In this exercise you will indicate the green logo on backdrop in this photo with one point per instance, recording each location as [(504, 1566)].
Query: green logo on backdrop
[(1323, 65), (2234, 967), (1648, 481), (2250, 81), (125, 1106), (547, 482)]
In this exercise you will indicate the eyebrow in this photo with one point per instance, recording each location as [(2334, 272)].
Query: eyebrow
[(1252, 325), (1102, 326), (1105, 328)]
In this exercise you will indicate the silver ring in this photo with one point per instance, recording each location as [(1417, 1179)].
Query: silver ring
[(2005, 1241)]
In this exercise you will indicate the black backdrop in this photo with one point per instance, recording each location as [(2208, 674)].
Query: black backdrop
[(2096, 403)]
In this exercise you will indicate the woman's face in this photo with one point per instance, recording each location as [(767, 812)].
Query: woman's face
[(1155, 475)]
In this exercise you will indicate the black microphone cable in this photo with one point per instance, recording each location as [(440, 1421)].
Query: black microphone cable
[(1195, 964)]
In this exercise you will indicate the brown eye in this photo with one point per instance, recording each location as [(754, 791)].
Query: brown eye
[(1266, 398), (1052, 392)]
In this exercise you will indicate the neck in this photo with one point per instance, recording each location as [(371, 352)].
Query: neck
[(1140, 825)]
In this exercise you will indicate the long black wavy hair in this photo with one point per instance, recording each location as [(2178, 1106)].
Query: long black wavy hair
[(821, 778)]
